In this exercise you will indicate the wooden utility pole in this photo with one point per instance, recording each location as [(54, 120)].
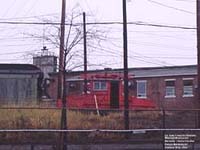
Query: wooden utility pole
[(61, 79), (126, 102), (198, 59), (85, 53), (62, 48)]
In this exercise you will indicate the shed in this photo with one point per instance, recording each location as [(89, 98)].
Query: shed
[(19, 83)]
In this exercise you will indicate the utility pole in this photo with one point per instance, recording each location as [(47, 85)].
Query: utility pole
[(61, 52), (126, 101), (61, 79), (85, 53), (198, 59)]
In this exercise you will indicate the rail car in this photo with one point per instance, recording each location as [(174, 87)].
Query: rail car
[(104, 91)]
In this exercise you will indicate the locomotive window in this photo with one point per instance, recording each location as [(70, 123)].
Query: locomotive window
[(100, 85), (74, 87)]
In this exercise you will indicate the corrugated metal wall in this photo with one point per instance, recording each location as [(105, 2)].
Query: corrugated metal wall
[(18, 88)]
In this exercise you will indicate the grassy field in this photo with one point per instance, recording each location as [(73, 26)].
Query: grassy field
[(15, 118), (50, 119)]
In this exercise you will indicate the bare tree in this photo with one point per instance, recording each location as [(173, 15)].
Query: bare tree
[(73, 53)]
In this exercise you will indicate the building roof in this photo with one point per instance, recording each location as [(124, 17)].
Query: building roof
[(164, 71), (185, 70), (19, 68)]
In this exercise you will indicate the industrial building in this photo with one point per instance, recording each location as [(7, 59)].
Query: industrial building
[(19, 83), (169, 87)]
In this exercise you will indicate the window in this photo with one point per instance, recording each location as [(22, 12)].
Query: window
[(74, 87), (187, 87), (100, 85), (141, 89), (170, 88)]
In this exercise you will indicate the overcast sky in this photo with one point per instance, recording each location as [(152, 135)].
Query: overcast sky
[(147, 45)]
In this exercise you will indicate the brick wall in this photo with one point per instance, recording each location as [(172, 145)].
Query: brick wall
[(156, 89)]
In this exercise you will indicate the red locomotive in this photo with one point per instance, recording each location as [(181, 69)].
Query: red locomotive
[(104, 91)]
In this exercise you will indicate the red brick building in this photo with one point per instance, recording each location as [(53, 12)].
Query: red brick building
[(170, 87)]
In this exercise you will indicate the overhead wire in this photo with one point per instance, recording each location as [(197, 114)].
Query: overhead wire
[(186, 0), (32, 6), (29, 17), (189, 1), (88, 6), (106, 23), (151, 44), (9, 8), (10, 45), (21, 7), (110, 51), (98, 23), (171, 7)]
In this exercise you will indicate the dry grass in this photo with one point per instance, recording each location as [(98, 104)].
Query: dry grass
[(23, 119), (50, 119)]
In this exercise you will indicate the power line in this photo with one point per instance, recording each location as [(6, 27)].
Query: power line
[(13, 53), (161, 4), (98, 23), (88, 6), (10, 45), (9, 8), (21, 6), (150, 57), (29, 23), (29, 16), (189, 1), (162, 45), (140, 23), (27, 51), (118, 54), (19, 38), (32, 6), (162, 26)]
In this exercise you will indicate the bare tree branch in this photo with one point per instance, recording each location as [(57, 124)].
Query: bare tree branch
[(74, 38)]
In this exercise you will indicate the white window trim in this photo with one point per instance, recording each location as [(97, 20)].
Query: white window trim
[(100, 88), (145, 81), (188, 78), (170, 79), (192, 95), (189, 95), (170, 96)]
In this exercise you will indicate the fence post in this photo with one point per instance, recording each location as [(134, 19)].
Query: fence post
[(163, 126), (196, 118), (32, 147)]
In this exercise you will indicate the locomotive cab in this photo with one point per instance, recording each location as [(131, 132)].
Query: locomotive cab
[(103, 91)]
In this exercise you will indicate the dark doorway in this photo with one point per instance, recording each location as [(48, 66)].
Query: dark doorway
[(114, 94)]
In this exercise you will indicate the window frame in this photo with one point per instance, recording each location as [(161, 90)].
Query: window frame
[(141, 95), (72, 90), (173, 88), (188, 86), (100, 86)]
